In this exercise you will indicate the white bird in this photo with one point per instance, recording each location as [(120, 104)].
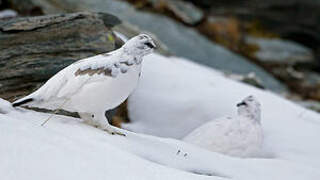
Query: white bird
[(239, 136), (94, 85)]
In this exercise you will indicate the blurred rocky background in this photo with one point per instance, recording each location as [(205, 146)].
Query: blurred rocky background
[(270, 44)]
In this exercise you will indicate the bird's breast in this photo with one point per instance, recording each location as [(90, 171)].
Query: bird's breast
[(105, 92)]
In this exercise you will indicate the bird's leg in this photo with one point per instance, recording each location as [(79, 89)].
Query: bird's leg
[(104, 125)]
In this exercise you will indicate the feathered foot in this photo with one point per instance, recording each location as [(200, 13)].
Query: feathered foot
[(113, 131)]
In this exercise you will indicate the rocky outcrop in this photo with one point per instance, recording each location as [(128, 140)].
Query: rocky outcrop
[(223, 30), (33, 49), (180, 40), (275, 51), (184, 11), (291, 62), (292, 19), (25, 7)]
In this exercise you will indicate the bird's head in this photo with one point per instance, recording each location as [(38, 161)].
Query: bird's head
[(140, 45), (250, 107)]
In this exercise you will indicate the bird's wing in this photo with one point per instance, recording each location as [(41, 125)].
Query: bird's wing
[(86, 71), (66, 82), (110, 64), (214, 132), (94, 69), (72, 78)]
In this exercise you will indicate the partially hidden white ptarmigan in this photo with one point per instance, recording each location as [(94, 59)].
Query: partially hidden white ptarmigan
[(239, 136), (94, 85)]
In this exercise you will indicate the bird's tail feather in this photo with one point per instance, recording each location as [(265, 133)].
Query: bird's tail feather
[(22, 101)]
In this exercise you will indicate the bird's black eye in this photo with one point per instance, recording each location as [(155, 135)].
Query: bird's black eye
[(149, 45), (242, 104)]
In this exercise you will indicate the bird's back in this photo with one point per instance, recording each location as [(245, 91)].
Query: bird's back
[(61, 85)]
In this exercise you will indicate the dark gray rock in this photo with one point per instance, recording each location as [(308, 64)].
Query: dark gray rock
[(129, 31), (180, 40), (310, 85), (313, 105), (292, 19), (187, 12), (250, 78), (204, 3), (183, 10), (34, 49), (274, 51), (24, 7), (306, 83)]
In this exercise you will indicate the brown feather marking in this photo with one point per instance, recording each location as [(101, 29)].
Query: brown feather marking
[(106, 72), (91, 72)]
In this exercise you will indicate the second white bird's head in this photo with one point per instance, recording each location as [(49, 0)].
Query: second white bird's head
[(250, 107), (140, 45)]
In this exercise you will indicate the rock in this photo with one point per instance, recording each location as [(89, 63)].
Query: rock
[(290, 62), (8, 13), (180, 40), (306, 83), (223, 30), (203, 3), (33, 49), (250, 78), (120, 116), (278, 51), (292, 19), (25, 7), (313, 105), (307, 103), (185, 11), (129, 30), (310, 85)]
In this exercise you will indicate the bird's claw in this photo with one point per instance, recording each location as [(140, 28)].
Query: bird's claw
[(118, 133), (114, 132), (183, 154)]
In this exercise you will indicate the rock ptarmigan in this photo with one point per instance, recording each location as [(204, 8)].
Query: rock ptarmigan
[(239, 136), (94, 85)]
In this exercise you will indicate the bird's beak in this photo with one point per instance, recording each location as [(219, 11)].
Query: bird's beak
[(241, 104), (151, 44)]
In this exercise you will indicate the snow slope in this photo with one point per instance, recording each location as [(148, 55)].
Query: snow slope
[(68, 149), (175, 96)]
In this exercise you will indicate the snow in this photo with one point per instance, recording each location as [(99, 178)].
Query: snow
[(66, 148), (175, 96), (120, 36), (8, 13)]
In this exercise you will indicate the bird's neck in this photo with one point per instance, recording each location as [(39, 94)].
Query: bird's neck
[(254, 115), (132, 52), (126, 53)]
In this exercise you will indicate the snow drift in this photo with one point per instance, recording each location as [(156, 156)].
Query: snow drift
[(174, 97)]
